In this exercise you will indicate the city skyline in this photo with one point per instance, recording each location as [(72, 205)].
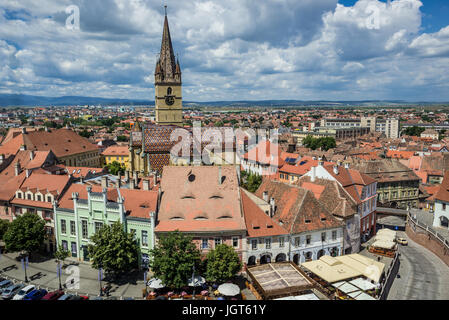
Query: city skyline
[(296, 50)]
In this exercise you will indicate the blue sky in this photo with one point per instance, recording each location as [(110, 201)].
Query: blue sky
[(230, 50)]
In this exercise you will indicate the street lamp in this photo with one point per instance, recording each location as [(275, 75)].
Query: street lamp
[(100, 277), (193, 279), (59, 271), (24, 266)]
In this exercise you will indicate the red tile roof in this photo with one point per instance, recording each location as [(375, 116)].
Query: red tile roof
[(258, 223), (443, 192), (297, 210), (194, 200)]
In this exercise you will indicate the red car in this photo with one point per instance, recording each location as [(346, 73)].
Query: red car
[(54, 295)]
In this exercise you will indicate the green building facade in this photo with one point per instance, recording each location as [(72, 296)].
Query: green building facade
[(73, 228)]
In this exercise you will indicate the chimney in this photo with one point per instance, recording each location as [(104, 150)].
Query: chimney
[(104, 182), (131, 184), (81, 179), (28, 172), (346, 165), (265, 196), (2, 158), (146, 184), (219, 175), (119, 180), (154, 178), (335, 169), (126, 176), (17, 168), (24, 130), (312, 179), (31, 155), (272, 207), (23, 147)]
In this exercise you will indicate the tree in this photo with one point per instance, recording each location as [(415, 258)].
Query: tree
[(4, 224), (173, 258), (61, 254), (116, 167), (25, 233), (122, 139), (325, 143), (414, 131), (86, 134), (113, 249), (250, 181), (223, 263)]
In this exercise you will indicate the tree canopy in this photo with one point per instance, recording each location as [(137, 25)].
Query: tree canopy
[(173, 258), (61, 254), (414, 131), (4, 224), (325, 143), (223, 263), (25, 233), (250, 181), (115, 167), (113, 249)]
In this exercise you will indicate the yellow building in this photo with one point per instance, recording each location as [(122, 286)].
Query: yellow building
[(116, 153)]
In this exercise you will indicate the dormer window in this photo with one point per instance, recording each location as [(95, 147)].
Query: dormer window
[(176, 218), (216, 197), (224, 217), (308, 221), (201, 218)]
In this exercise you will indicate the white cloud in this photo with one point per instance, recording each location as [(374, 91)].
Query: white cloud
[(233, 49)]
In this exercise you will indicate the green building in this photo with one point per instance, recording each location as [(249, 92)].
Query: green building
[(83, 210)]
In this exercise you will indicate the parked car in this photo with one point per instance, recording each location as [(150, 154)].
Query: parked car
[(11, 291), (78, 298), (5, 284), (36, 294), (23, 292), (402, 241), (54, 295), (65, 296)]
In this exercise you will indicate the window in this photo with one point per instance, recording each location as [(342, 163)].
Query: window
[(444, 207), (29, 197), (217, 241), (254, 244), (63, 226), (65, 245), (235, 242), (308, 239), (297, 241), (334, 235), (268, 243), (281, 242), (144, 238), (72, 228), (205, 243), (84, 230), (323, 236), (73, 245), (38, 198), (19, 195), (98, 226)]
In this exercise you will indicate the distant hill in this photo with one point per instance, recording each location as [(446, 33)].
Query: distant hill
[(13, 100)]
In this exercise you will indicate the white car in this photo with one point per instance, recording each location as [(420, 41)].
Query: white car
[(22, 293)]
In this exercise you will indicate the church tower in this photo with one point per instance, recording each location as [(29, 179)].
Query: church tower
[(167, 82)]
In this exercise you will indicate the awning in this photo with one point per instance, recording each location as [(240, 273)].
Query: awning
[(229, 289)]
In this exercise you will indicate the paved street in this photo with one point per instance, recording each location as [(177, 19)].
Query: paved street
[(43, 273), (423, 276)]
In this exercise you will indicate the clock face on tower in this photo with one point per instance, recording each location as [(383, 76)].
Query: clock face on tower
[(169, 100)]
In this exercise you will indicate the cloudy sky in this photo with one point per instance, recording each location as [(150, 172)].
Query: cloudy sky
[(229, 49)]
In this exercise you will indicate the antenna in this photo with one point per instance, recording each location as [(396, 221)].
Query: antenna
[(165, 8)]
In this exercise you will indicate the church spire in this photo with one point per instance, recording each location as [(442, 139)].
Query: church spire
[(166, 66)]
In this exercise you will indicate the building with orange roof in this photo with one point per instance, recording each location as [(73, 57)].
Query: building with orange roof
[(204, 202), (116, 153), (83, 210), (441, 210), (266, 238), (263, 159), (36, 195), (359, 186), (395, 154), (313, 231)]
